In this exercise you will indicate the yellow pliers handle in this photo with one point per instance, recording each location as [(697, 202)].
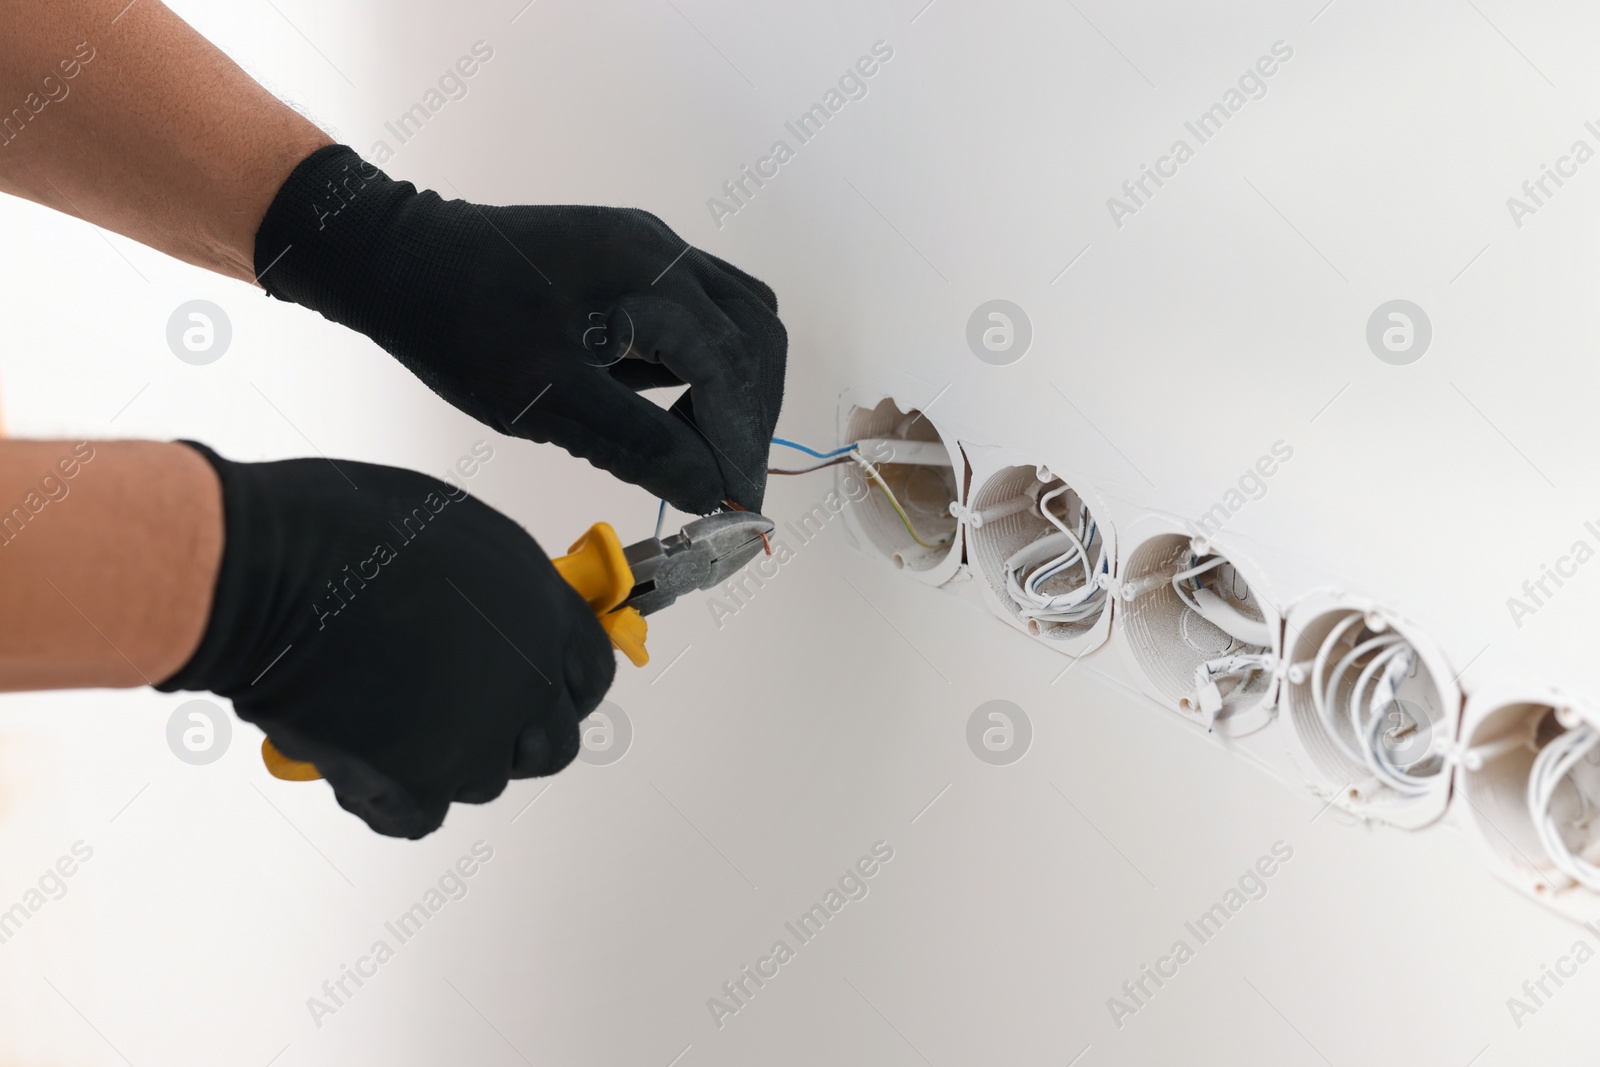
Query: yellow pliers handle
[(597, 568)]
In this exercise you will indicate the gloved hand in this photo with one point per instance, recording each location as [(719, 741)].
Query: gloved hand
[(412, 642), (541, 321)]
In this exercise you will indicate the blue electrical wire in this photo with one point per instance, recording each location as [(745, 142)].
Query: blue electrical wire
[(811, 451), (661, 512)]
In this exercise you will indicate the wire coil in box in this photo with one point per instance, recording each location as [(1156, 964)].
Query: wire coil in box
[(1372, 713), (1530, 777), (1042, 551)]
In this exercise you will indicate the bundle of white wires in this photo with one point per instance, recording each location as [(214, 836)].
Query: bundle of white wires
[(1215, 609), (1356, 702), (1058, 559), (1555, 764), (1247, 633)]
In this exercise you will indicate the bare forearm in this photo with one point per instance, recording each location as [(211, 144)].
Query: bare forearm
[(109, 553), (126, 116)]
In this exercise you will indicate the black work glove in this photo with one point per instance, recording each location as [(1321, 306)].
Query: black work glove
[(409, 640), (542, 321)]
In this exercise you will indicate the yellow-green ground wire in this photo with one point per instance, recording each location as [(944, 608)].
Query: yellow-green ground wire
[(842, 455)]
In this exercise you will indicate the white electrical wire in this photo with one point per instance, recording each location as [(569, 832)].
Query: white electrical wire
[(1550, 768), (1194, 572), (1250, 639), (1378, 648), (1322, 690), (1054, 556), (1360, 720), (1208, 676), (1218, 610), (1397, 662)]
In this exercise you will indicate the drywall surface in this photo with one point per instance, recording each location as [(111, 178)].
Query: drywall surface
[(835, 711)]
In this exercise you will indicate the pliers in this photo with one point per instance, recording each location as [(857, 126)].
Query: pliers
[(623, 585)]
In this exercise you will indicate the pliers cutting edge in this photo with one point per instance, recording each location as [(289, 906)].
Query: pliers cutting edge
[(623, 585)]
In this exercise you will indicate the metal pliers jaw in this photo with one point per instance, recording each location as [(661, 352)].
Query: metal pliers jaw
[(703, 555)]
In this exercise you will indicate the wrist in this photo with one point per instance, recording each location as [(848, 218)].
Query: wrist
[(250, 194), (227, 630), (203, 543), (344, 239), (90, 608)]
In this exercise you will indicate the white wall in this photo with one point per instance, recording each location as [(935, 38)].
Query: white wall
[(1221, 317)]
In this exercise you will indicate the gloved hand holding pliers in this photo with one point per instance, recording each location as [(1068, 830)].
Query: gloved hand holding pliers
[(541, 322)]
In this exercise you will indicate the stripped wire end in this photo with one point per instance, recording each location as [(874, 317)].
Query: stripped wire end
[(765, 541)]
